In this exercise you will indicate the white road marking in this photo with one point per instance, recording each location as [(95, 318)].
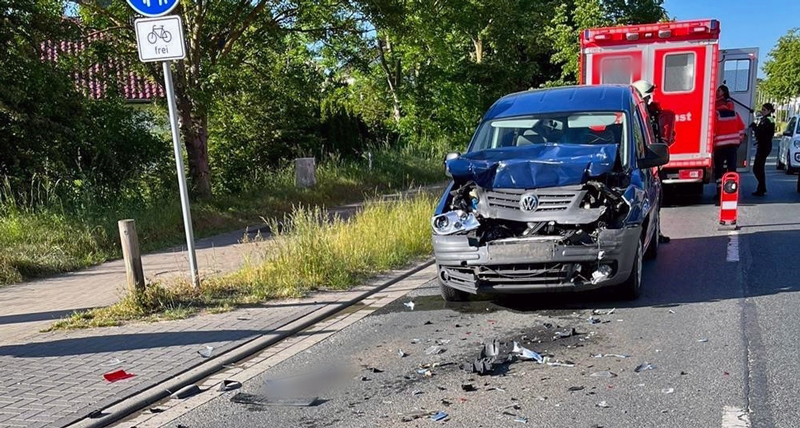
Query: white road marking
[(733, 247), (734, 417)]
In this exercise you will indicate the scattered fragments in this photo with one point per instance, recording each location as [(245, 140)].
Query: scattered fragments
[(112, 362), (468, 387), (547, 325), (703, 340), (668, 390), (671, 311), (603, 405), (229, 385), (560, 364), (564, 334), (206, 353), (446, 403), (521, 419), (415, 341), (593, 320), (259, 400), (186, 392), (494, 388), (439, 416), (491, 349), (117, 375), (417, 392), (575, 388), (409, 417), (409, 305), (428, 323), (155, 410), (374, 370), (601, 312), (605, 374), (527, 354), (401, 353), (244, 318), (434, 350), (365, 379), (644, 366), (683, 373)]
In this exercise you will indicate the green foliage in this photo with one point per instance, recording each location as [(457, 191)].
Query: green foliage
[(782, 69), (573, 16)]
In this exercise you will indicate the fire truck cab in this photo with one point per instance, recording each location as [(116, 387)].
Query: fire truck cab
[(685, 63)]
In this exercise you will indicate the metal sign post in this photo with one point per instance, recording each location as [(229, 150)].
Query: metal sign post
[(161, 39)]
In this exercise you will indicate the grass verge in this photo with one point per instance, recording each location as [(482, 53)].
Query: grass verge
[(44, 240), (312, 253)]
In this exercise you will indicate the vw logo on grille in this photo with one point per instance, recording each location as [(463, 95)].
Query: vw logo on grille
[(528, 202)]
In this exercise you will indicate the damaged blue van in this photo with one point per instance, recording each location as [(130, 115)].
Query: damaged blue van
[(558, 191)]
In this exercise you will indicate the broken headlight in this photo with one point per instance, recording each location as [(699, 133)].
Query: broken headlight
[(454, 222)]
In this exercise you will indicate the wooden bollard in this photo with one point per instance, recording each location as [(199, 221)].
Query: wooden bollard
[(131, 255), (305, 175)]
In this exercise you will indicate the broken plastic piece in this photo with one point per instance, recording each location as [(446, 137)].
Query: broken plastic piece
[(112, 362), (416, 392), (206, 353), (409, 305), (491, 349), (703, 340), (434, 350), (118, 375), (593, 320), (644, 366), (527, 353), (439, 416), (603, 404), (243, 398), (605, 374), (186, 392), (229, 385), (468, 387), (401, 353), (668, 390), (560, 364), (565, 334), (575, 388), (601, 312), (521, 419), (601, 274)]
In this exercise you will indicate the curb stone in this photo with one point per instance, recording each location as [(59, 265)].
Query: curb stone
[(130, 404)]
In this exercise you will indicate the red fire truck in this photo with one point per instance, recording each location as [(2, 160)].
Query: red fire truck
[(685, 63)]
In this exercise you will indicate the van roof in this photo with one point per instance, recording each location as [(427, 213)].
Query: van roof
[(563, 99)]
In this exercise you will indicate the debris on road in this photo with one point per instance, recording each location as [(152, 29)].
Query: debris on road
[(575, 388), (401, 353), (155, 410), (604, 374), (600, 312), (521, 419), (207, 352), (593, 320), (703, 340), (468, 387), (409, 305), (416, 392), (527, 353), (186, 392), (112, 362), (668, 390), (412, 416), (439, 416), (565, 334), (644, 366), (560, 364), (491, 349), (603, 405), (260, 400), (373, 369), (434, 350), (117, 376), (229, 385)]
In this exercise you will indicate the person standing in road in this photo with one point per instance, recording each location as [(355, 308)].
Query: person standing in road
[(728, 134), (765, 132)]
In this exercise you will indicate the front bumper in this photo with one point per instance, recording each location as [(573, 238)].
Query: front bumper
[(535, 264)]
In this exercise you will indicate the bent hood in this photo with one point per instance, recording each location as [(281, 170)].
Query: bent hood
[(534, 166)]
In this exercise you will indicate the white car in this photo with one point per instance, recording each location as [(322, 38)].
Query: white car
[(789, 148)]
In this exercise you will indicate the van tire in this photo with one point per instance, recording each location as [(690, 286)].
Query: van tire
[(631, 288), (450, 294)]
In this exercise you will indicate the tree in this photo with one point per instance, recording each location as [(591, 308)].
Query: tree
[(782, 68), (573, 16), (213, 30)]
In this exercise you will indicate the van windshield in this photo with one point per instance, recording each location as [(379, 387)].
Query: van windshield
[(552, 128)]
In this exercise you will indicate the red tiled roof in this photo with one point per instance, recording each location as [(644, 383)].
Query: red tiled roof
[(93, 81)]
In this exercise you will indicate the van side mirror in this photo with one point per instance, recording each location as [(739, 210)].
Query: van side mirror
[(448, 157), (655, 155), (666, 123)]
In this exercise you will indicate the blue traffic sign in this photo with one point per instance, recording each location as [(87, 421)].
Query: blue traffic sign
[(153, 7)]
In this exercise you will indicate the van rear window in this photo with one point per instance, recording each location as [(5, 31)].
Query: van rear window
[(679, 71)]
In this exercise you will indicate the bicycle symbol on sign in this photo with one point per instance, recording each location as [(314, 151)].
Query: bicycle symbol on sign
[(159, 33)]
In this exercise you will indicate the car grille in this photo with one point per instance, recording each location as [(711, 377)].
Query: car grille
[(550, 200), (540, 273)]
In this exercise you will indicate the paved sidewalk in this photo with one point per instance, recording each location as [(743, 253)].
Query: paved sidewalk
[(53, 379)]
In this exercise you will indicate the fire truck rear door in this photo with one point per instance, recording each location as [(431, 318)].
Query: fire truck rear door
[(738, 70)]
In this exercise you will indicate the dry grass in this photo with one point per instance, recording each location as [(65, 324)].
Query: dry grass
[(313, 252)]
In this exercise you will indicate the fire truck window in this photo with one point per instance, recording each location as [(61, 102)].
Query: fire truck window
[(737, 74), (678, 72), (616, 70)]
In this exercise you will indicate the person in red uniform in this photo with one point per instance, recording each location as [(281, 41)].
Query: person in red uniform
[(728, 134)]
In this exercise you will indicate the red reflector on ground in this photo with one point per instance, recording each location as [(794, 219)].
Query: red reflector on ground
[(690, 174), (118, 375)]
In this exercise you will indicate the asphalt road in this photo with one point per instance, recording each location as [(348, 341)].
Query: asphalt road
[(718, 321)]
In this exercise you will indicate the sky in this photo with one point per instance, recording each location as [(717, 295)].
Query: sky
[(743, 23)]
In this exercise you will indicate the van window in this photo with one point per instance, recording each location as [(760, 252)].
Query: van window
[(790, 125), (679, 72), (737, 74), (638, 132), (616, 70)]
